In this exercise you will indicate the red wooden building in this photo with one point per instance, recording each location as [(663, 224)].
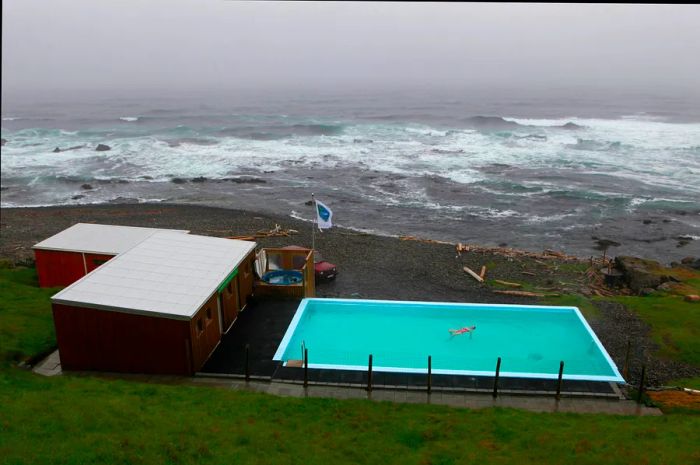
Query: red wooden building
[(69, 255), (159, 307)]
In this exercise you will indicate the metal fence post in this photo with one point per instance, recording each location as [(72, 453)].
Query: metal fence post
[(430, 374), (641, 384), (369, 374), (561, 374), (495, 380)]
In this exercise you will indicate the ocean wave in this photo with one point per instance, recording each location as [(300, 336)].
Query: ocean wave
[(491, 123), (129, 119), (595, 145), (191, 141), (277, 132), (499, 123)]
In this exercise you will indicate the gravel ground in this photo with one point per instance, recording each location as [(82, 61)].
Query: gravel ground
[(616, 326), (369, 266)]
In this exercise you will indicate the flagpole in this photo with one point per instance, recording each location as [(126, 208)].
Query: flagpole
[(313, 224)]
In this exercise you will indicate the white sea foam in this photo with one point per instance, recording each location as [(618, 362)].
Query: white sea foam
[(129, 119)]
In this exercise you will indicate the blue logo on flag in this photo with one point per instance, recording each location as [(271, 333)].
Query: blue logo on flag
[(323, 212)]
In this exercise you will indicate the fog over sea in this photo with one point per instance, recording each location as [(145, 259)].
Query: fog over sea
[(573, 170)]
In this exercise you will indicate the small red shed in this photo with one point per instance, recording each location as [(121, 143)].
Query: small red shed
[(156, 308), (69, 255)]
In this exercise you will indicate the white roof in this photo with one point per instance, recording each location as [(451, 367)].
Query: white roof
[(169, 275), (99, 238)]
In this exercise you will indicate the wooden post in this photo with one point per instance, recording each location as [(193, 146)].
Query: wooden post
[(626, 366), (306, 367), (247, 363), (641, 384), (495, 380), (369, 374), (561, 374), (430, 374)]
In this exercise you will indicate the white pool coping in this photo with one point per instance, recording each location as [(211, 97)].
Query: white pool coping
[(291, 329)]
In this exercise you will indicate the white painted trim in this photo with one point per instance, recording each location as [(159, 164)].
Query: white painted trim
[(504, 374)]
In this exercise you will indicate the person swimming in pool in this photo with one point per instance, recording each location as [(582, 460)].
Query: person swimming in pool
[(466, 329)]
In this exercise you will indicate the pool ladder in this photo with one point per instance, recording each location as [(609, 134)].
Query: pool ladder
[(303, 349)]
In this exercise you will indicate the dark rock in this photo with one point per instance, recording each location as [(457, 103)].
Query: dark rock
[(3, 141), (129, 200), (666, 220), (102, 148), (684, 240), (199, 179), (75, 147), (4, 188), (78, 197), (248, 180), (87, 187), (646, 291), (640, 273), (666, 287), (148, 178), (122, 181), (178, 181), (687, 260), (309, 203), (503, 244), (647, 221)]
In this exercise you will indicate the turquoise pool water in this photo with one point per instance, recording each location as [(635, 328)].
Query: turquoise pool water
[(531, 340)]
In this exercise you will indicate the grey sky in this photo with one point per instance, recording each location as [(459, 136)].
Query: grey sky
[(190, 44)]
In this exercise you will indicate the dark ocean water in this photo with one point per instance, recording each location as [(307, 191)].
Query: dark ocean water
[(534, 169)]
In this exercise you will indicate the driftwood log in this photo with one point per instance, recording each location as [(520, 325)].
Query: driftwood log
[(507, 283), (473, 275)]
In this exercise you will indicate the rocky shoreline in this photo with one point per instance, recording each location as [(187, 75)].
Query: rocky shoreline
[(369, 266)]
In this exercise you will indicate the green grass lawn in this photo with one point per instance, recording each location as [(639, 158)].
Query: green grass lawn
[(73, 419), (82, 419), (675, 323), (25, 312)]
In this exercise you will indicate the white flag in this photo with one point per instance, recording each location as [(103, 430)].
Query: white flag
[(323, 216)]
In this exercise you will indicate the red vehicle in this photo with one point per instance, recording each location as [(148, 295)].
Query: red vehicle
[(323, 270)]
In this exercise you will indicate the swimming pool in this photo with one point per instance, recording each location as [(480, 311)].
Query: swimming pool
[(531, 340)]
